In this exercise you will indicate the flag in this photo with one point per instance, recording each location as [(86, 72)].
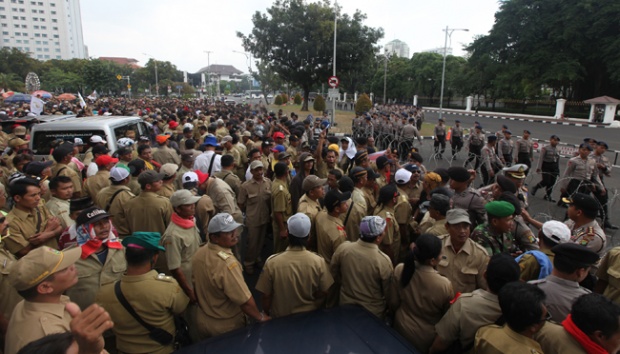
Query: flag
[(93, 96), (82, 103), (36, 105)]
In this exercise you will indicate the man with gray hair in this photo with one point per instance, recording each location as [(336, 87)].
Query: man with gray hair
[(295, 280), (363, 271)]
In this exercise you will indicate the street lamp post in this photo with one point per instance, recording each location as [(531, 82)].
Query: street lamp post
[(336, 9), (156, 78), (248, 56), (443, 71), (385, 61), (209, 91)]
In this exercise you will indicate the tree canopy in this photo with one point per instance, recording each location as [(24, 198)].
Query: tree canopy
[(295, 39)]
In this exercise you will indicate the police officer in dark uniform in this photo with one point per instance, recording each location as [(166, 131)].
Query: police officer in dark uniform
[(549, 165), (456, 137)]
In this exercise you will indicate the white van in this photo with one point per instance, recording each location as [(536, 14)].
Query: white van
[(110, 128)]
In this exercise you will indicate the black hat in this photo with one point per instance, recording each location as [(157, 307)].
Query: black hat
[(555, 137), (512, 199), (506, 184), (602, 143), (100, 149), (502, 269), (360, 155), (333, 198), (357, 172), (150, 176), (589, 140), (443, 173), (459, 174), (62, 150), (576, 253), (491, 138), (584, 202), (80, 204), (345, 184), (371, 174), (382, 161), (388, 191), (585, 145), (136, 165), (34, 168), (91, 215)]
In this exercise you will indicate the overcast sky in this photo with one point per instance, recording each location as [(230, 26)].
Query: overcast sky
[(180, 31)]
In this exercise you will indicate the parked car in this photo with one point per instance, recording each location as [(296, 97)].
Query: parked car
[(344, 329), (269, 96)]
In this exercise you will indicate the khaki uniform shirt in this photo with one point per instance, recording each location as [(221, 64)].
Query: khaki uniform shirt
[(529, 266), (148, 212), (392, 229), (470, 312), (167, 190), (156, 299), (561, 294), (292, 278), (204, 211), (420, 305), (590, 235), (224, 199), (466, 268), (371, 203), (165, 154), (23, 226), (581, 169), (60, 209), (232, 179), (402, 209), (97, 182), (437, 228), (117, 209), (181, 244), (494, 339), (352, 227), (256, 197), (609, 271), (330, 234), (8, 295), (365, 275), (134, 186), (311, 208), (34, 320), (220, 133), (280, 201), (92, 275), (358, 198), (178, 181), (235, 154), (60, 169), (554, 338), (220, 290)]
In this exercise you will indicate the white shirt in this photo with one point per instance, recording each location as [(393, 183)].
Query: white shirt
[(203, 161)]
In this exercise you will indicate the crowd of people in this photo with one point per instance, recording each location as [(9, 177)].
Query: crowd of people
[(151, 246)]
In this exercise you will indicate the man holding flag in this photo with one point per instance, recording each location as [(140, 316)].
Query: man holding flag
[(36, 105)]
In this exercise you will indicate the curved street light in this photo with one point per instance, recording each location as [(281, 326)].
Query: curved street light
[(449, 32)]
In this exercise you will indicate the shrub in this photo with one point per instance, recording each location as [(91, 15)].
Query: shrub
[(319, 104), (363, 104), (297, 99), (278, 100)]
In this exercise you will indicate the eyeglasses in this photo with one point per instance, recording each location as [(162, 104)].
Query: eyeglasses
[(547, 318)]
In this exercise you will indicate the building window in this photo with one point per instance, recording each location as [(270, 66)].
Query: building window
[(43, 27), (22, 10), (53, 5), (40, 4), (41, 11), (39, 49), (54, 20), (16, 26), (44, 35), (24, 26), (34, 11), (36, 27), (22, 18), (37, 34), (17, 34), (6, 40), (55, 28), (26, 41), (39, 56), (38, 42), (2, 16), (47, 57), (53, 12), (55, 36), (46, 49), (15, 18), (1, 8), (42, 19), (58, 57), (57, 50), (5, 33), (35, 19), (4, 25), (18, 41)]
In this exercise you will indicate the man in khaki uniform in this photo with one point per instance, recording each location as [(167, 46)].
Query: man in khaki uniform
[(388, 197), (101, 179), (164, 154), (170, 173), (537, 264), (609, 275), (281, 207), (8, 295), (223, 297), (187, 165), (402, 210), (113, 199), (149, 211), (463, 261), (364, 272), (330, 232), (30, 222), (59, 205), (204, 207), (103, 257), (295, 280), (63, 155), (309, 203), (243, 154), (470, 311), (41, 277), (227, 174), (227, 143), (255, 200), (222, 196), (156, 298)]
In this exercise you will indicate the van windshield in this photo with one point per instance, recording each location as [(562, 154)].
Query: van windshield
[(42, 140)]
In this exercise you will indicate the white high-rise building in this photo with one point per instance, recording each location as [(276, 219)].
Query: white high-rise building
[(397, 47), (47, 29)]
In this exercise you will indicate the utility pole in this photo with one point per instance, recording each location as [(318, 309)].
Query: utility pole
[(449, 32), (336, 9), (209, 73), (156, 77)]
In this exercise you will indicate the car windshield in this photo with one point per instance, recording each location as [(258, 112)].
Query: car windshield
[(42, 140)]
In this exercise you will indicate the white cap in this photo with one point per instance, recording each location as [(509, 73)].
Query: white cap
[(95, 139), (188, 125), (222, 222), (402, 176), (118, 174), (299, 225), (125, 142), (190, 176), (556, 231), (183, 197)]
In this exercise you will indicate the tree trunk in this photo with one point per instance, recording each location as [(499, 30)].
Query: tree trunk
[(304, 106)]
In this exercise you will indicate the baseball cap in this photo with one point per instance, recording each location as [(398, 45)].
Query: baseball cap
[(91, 215), (402, 176), (256, 164), (311, 182), (299, 225), (183, 197), (78, 142), (95, 139), (278, 148), (190, 177), (226, 139), (162, 138), (333, 198), (39, 264), (278, 135), (169, 169), (124, 142), (15, 142), (222, 222), (104, 160), (118, 174), (371, 226), (35, 168), (211, 141), (150, 176), (202, 177), (142, 239), (457, 216), (556, 231)]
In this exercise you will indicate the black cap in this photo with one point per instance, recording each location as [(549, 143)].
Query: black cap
[(150, 176), (80, 204), (382, 161), (506, 184), (491, 138), (345, 184), (388, 192), (527, 131), (459, 174), (372, 174), (589, 140), (333, 198), (360, 155), (576, 253), (585, 145), (91, 215), (555, 137), (584, 202), (443, 173), (34, 168), (512, 199), (602, 143), (100, 149)]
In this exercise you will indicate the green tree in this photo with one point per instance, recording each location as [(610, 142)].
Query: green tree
[(363, 104), (319, 104), (278, 100), (302, 54), (59, 81), (10, 81), (12, 60), (297, 99), (268, 78)]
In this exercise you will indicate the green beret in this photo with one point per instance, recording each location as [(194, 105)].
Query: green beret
[(140, 239), (500, 209)]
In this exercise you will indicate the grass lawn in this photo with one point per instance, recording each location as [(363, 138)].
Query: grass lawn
[(343, 118)]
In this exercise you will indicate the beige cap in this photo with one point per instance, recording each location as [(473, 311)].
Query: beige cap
[(311, 182), (169, 169), (183, 197), (256, 164), (15, 142), (39, 264), (226, 139)]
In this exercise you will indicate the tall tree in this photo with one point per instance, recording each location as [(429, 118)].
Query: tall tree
[(295, 39)]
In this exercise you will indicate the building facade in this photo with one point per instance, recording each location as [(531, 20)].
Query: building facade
[(398, 48), (47, 29)]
